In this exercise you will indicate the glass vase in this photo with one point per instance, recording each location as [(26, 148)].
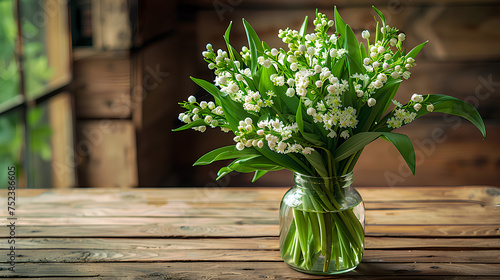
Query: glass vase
[(322, 225)]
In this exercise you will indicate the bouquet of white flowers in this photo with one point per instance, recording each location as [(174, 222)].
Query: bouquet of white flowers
[(312, 108)]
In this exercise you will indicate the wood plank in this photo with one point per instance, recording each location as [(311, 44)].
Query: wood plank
[(485, 194), (241, 270), (218, 255), (234, 227), (121, 241), (102, 86), (106, 150), (264, 227)]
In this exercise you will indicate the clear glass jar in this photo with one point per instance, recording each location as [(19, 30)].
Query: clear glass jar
[(322, 225)]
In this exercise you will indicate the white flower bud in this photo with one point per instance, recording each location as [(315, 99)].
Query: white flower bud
[(366, 61), (385, 66), (186, 119), (208, 119), (260, 132), (291, 82), (282, 146), (311, 51), (365, 34), (248, 121), (377, 84), (203, 104), (401, 37), (331, 88), (406, 75), (260, 144), (393, 41), (211, 105), (239, 77), (209, 47), (274, 52), (382, 77), (191, 99), (240, 146), (290, 92), (248, 144), (381, 49), (302, 48), (387, 56), (317, 69), (319, 83), (376, 64), (294, 66), (430, 107), (371, 102), (271, 144), (196, 117), (196, 111), (333, 53), (417, 98), (202, 128), (249, 128), (417, 106), (311, 111), (359, 93), (373, 49), (211, 66)]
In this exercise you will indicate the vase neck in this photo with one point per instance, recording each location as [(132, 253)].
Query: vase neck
[(336, 182)]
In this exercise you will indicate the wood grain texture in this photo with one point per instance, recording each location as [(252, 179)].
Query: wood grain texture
[(232, 233)]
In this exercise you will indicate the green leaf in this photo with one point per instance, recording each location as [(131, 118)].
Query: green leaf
[(223, 153), (360, 140), (233, 54), (315, 159), (254, 44), (404, 146), (223, 172), (413, 53), (353, 144), (369, 115), (258, 174), (451, 105), (282, 160), (380, 14), (251, 164), (298, 117), (354, 58), (303, 29), (339, 24)]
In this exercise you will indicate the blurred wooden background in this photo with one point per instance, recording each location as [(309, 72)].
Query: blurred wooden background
[(462, 59)]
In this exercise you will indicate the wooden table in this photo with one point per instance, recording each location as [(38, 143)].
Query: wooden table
[(232, 233)]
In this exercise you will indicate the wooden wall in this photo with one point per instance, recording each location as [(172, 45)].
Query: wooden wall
[(462, 59)]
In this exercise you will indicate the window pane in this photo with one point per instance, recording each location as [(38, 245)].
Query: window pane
[(9, 75), (46, 45), (51, 161), (11, 143)]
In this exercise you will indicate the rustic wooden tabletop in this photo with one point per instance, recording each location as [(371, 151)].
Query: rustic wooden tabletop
[(232, 233)]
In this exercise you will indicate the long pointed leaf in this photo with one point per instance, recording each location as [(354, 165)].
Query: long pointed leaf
[(451, 105)]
